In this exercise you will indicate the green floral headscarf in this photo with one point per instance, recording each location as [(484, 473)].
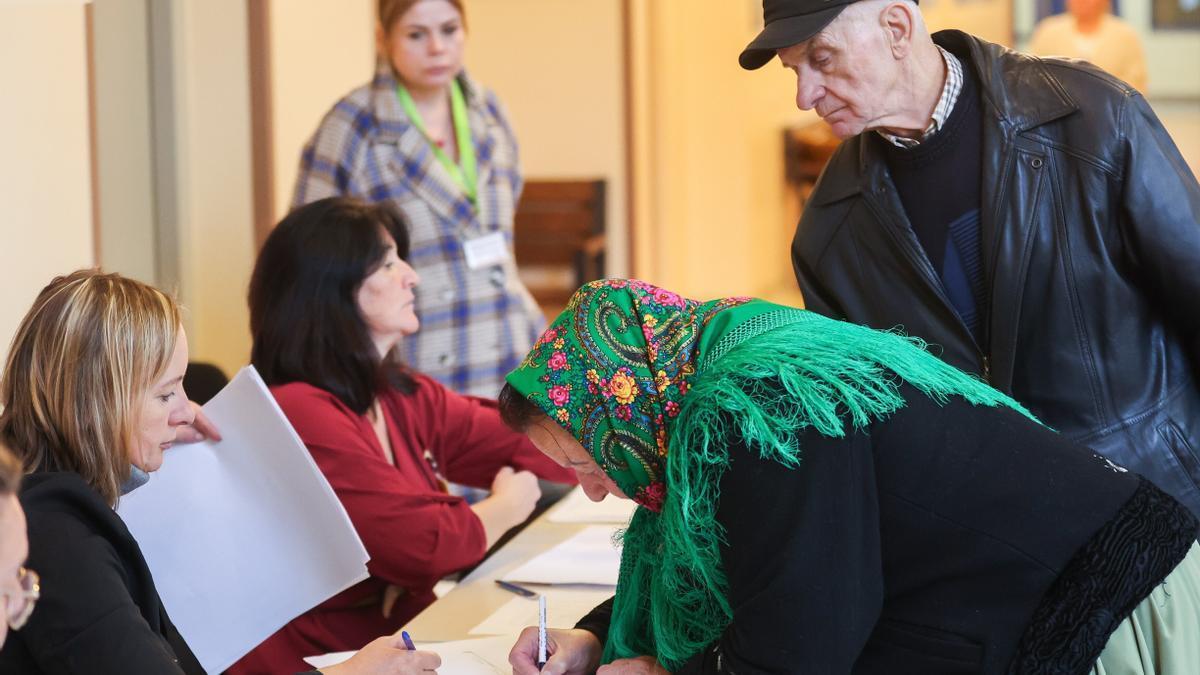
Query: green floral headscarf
[(613, 368), (656, 387)]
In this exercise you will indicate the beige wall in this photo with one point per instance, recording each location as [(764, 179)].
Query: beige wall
[(713, 216), (557, 67), (45, 174), (320, 50), (124, 154), (45, 182), (216, 249), (989, 19)]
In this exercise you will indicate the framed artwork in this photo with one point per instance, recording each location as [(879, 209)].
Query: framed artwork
[(1176, 14), (1047, 7)]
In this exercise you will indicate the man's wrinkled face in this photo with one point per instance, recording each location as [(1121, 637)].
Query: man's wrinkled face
[(846, 73)]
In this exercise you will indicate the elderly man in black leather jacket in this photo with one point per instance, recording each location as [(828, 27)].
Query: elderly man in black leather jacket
[(1028, 217)]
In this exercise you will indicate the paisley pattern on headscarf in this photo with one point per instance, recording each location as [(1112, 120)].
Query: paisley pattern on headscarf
[(612, 370), (656, 387)]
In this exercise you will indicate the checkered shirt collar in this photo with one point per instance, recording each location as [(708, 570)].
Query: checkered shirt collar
[(945, 104)]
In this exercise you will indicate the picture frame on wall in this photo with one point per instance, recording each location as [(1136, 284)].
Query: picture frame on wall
[(1176, 14), (1047, 8)]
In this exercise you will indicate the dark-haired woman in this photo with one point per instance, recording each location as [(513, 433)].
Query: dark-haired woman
[(330, 299)]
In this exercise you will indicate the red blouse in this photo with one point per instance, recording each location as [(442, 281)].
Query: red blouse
[(413, 530)]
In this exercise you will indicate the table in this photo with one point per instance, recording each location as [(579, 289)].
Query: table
[(477, 596)]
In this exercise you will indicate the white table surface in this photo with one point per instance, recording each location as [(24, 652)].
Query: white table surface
[(477, 596)]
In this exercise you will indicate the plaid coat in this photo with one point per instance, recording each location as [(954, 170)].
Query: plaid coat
[(476, 325)]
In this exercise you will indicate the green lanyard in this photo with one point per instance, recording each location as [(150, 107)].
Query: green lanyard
[(463, 173)]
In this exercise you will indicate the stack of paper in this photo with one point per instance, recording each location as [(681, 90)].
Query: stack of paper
[(589, 557), (243, 535)]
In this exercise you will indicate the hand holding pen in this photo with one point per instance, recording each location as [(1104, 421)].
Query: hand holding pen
[(569, 652), (393, 654)]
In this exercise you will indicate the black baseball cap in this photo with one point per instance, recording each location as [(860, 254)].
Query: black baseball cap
[(787, 23)]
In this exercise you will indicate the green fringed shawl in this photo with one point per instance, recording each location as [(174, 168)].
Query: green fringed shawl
[(671, 599)]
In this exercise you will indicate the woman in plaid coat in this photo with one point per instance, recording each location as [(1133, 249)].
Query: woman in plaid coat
[(423, 137)]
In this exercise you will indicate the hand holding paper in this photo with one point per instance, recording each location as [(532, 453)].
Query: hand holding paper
[(200, 429), (244, 534)]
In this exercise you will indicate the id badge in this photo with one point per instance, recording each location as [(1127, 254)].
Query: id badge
[(485, 251)]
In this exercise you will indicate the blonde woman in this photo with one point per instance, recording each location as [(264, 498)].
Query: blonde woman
[(427, 140), (92, 398)]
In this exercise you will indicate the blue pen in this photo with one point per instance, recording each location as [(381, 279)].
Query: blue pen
[(408, 643), (519, 590)]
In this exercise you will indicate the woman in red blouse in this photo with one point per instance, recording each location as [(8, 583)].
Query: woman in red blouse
[(330, 298)]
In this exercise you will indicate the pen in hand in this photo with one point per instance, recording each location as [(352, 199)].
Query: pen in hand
[(408, 643), (541, 660)]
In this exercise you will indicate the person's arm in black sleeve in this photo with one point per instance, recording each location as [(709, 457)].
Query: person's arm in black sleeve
[(86, 619), (802, 560), (596, 621), (1161, 208), (816, 297), (576, 651)]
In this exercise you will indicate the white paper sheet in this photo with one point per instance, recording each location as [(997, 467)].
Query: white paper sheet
[(577, 508), (484, 656), (564, 608), (243, 535), (586, 558)]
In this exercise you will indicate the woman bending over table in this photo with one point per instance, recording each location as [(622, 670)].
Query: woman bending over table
[(818, 497)]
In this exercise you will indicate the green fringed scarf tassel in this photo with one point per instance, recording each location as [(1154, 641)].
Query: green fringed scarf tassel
[(671, 600)]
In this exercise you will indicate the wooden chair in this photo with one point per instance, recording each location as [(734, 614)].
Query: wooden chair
[(807, 150), (559, 238)]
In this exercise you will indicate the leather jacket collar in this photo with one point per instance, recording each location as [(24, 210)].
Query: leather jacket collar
[(993, 65)]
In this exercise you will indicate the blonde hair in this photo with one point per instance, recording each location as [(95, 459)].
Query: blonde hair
[(78, 369), (390, 12)]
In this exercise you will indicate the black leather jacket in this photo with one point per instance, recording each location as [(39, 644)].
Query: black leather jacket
[(1091, 245)]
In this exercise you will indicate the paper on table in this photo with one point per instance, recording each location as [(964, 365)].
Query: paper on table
[(586, 558), (482, 656), (577, 508), (242, 535), (564, 608), (327, 660)]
